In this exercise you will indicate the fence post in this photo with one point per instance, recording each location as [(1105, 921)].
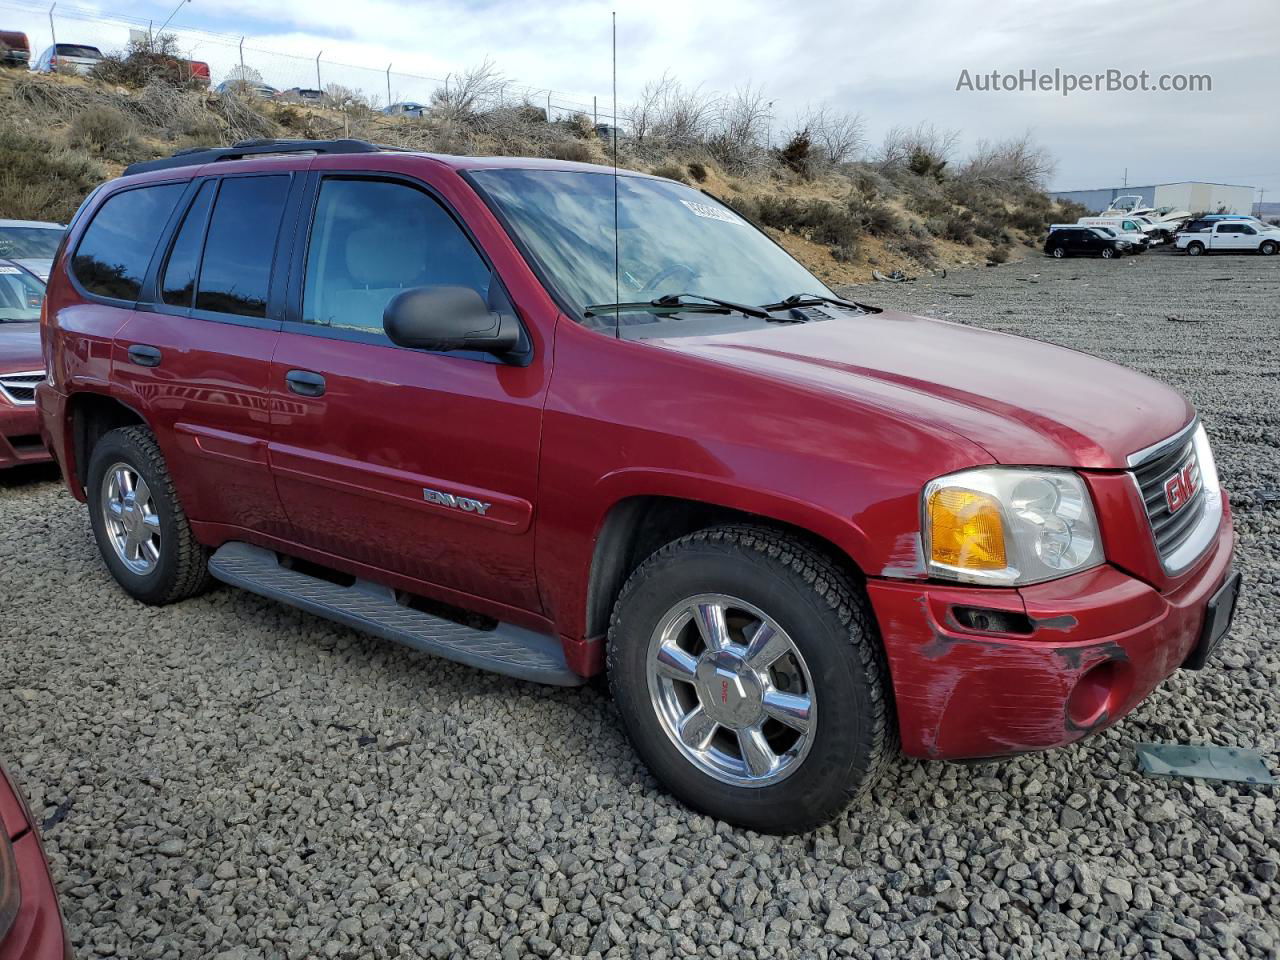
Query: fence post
[(242, 58), (53, 33), (388, 85), (595, 114), (318, 86), (548, 106)]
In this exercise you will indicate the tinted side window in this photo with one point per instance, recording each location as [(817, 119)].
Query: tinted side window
[(179, 282), (371, 239), (241, 244), (115, 251)]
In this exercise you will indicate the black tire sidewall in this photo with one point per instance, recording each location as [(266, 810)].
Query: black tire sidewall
[(157, 586), (1108, 253), (1058, 253), (841, 750), (1268, 248), (1195, 249)]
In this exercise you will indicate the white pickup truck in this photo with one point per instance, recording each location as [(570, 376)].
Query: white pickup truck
[(1231, 235)]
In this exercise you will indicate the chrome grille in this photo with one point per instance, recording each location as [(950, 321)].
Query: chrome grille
[(20, 388), (1171, 530)]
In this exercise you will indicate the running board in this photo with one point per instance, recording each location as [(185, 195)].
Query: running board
[(373, 608)]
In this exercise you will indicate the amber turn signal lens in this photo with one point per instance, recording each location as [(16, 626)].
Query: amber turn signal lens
[(965, 530)]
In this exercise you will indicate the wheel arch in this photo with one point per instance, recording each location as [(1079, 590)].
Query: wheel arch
[(636, 526), (90, 416)]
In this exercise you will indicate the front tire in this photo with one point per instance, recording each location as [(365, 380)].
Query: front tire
[(141, 528), (750, 678), (1058, 253), (1108, 253), (1195, 249)]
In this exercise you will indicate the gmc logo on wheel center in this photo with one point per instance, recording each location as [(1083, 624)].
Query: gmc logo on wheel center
[(1180, 488)]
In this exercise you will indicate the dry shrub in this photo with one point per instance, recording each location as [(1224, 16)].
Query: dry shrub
[(672, 171), (698, 170), (40, 180), (146, 61), (101, 130)]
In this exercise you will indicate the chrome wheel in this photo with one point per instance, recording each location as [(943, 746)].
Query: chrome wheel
[(731, 690), (130, 519)]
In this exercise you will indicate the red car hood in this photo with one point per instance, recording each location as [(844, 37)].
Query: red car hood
[(1024, 401), (20, 347)]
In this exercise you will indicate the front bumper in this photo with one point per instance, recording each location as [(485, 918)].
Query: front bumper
[(962, 693), (20, 440), (38, 931)]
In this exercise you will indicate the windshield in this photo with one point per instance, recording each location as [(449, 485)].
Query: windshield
[(671, 239), (20, 295), (21, 243)]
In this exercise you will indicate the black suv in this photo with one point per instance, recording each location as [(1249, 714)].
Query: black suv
[(1086, 241)]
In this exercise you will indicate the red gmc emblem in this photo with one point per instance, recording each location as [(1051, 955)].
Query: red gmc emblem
[(1181, 488)]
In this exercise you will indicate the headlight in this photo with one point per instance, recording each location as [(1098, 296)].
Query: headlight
[(1009, 525)]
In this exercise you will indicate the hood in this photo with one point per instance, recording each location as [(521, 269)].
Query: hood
[(40, 268), (20, 347), (1024, 401)]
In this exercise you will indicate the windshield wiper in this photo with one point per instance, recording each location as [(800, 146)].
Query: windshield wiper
[(808, 299), (679, 302)]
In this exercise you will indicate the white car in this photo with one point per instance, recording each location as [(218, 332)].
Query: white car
[(70, 57), (1231, 235), (1131, 228), (31, 244)]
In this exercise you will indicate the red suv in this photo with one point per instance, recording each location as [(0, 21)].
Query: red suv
[(524, 415)]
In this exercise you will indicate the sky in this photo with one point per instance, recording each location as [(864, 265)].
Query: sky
[(897, 62)]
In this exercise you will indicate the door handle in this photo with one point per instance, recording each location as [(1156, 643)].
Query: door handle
[(305, 383), (144, 355)]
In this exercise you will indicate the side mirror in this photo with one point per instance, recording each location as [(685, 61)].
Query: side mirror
[(449, 318)]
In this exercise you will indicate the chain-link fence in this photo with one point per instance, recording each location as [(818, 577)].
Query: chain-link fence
[(233, 57)]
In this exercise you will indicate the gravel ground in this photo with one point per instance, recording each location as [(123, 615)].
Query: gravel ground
[(229, 778)]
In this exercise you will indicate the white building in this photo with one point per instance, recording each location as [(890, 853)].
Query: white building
[(1196, 196)]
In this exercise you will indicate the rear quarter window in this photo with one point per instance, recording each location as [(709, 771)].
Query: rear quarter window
[(112, 257)]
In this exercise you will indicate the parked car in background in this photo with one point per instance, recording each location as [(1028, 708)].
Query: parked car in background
[(31, 244), (1205, 223), (301, 95), (21, 368), (70, 57), (1071, 240), (31, 925), (15, 49), (1231, 235), (1135, 231), (794, 530), (246, 88), (405, 108)]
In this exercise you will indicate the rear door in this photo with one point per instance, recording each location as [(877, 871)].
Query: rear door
[(197, 352), (418, 463), (1225, 236)]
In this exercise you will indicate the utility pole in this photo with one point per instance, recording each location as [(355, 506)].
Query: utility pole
[(318, 56), (388, 84), (180, 5), (1126, 178), (548, 106)]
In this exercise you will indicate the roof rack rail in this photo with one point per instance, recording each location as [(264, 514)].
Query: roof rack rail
[(196, 156)]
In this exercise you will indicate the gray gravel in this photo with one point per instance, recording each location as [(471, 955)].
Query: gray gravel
[(229, 778)]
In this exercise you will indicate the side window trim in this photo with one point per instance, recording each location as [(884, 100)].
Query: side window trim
[(152, 298), (72, 251), (309, 203), (281, 255)]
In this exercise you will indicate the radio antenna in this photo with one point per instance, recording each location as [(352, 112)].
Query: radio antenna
[(617, 283)]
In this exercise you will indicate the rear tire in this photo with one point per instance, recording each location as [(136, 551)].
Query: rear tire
[(783, 734), (1194, 249), (141, 528)]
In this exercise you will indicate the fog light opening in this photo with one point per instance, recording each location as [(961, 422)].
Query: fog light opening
[(1098, 693)]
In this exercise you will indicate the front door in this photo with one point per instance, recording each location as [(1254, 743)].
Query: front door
[(419, 463)]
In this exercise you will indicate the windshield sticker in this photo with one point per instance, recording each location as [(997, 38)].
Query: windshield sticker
[(6, 271), (710, 212)]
